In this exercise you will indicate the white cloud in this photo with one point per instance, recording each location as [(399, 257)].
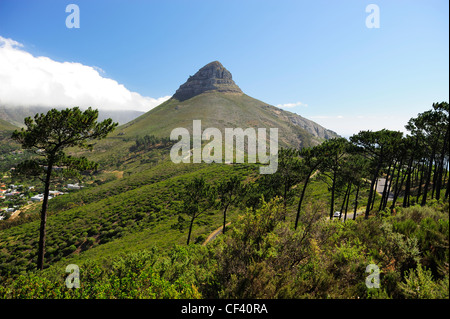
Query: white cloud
[(291, 105), (349, 124), (26, 80)]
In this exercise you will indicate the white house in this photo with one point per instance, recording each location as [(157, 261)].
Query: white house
[(40, 197), (37, 198), (55, 193)]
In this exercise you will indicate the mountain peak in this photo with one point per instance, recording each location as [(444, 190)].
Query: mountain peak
[(212, 77)]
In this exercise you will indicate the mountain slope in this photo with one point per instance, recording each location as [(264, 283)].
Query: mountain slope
[(219, 110), (212, 97)]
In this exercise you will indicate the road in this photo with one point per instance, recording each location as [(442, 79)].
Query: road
[(380, 188)]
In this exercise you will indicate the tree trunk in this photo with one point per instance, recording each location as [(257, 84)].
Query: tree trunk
[(427, 182), (42, 229), (391, 180), (446, 190), (301, 199), (385, 195), (356, 202), (415, 174), (421, 172), (398, 190), (332, 195), (285, 201), (190, 229), (408, 183), (374, 195), (408, 175), (372, 186), (225, 218), (346, 205), (441, 164), (448, 179), (435, 175), (344, 200), (396, 185)]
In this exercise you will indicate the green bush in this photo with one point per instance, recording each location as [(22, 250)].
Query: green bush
[(419, 284), (68, 250), (405, 227), (129, 276)]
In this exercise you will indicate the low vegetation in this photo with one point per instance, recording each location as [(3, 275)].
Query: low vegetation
[(262, 256), (139, 234)]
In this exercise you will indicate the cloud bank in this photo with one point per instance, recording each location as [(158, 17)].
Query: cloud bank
[(26, 80)]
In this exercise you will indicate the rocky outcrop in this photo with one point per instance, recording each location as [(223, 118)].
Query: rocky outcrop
[(212, 77), (310, 126), (298, 120)]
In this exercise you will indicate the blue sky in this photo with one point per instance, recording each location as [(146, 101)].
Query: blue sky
[(317, 55)]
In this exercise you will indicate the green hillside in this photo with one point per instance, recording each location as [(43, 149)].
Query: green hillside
[(128, 214), (219, 110), (6, 126), (214, 109)]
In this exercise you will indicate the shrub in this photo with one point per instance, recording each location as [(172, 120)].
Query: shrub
[(400, 250), (68, 250), (128, 276), (89, 242), (261, 256), (419, 283), (405, 227)]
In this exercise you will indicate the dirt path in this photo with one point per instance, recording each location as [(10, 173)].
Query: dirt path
[(15, 214), (214, 234)]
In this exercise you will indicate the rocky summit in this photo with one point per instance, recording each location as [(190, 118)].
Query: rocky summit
[(212, 77)]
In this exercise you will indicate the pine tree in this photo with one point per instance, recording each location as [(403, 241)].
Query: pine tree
[(48, 135)]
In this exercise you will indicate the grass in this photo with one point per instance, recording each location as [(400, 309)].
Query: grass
[(128, 213)]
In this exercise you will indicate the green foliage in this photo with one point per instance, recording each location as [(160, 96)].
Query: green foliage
[(49, 134), (261, 256), (148, 141), (135, 276), (419, 284), (108, 228), (198, 197)]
